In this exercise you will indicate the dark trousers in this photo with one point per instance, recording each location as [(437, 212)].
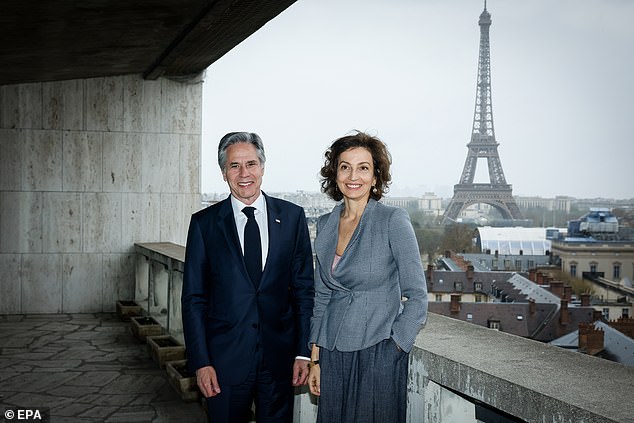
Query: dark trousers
[(273, 398)]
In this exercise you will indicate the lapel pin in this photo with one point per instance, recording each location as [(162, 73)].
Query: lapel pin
[(277, 221)]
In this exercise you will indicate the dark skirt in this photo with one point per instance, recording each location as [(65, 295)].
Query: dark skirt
[(367, 386)]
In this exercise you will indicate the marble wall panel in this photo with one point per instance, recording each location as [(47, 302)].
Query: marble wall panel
[(122, 162), (10, 284), (9, 106), (190, 168), (11, 159), (160, 162), (101, 213), (104, 104), (176, 211), (140, 218), (63, 105), (41, 283), (61, 222), (118, 277), (42, 157), (82, 283), (181, 106), (83, 160), (141, 104), (30, 106), (20, 222)]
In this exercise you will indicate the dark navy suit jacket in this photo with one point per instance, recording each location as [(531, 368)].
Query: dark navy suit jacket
[(225, 316)]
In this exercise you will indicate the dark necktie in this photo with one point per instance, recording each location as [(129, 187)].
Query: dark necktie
[(252, 246)]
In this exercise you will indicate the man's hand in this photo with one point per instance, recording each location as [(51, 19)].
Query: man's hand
[(207, 381), (300, 372)]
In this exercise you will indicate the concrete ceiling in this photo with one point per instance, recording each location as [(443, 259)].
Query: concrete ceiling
[(44, 40)]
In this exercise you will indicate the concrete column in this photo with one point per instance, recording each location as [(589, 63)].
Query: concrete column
[(88, 168)]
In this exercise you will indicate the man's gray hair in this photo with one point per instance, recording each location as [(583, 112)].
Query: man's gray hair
[(240, 137)]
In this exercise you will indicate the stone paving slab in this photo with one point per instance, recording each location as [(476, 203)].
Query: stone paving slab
[(85, 368)]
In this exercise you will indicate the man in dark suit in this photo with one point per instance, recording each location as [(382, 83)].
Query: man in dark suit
[(247, 293)]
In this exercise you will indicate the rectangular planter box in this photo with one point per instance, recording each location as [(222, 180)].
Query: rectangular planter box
[(142, 327), (183, 382), (165, 348), (126, 309)]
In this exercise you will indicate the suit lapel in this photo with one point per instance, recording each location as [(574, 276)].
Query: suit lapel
[(275, 221), (227, 225)]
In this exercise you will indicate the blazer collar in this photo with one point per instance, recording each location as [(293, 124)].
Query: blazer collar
[(326, 244)]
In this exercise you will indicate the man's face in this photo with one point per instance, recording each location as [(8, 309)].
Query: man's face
[(243, 172)]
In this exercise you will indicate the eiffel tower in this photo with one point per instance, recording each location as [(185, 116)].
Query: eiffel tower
[(497, 193)]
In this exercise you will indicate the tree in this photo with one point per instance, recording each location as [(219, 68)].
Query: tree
[(458, 237)]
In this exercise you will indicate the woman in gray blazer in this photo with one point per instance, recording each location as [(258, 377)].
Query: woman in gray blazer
[(370, 290)]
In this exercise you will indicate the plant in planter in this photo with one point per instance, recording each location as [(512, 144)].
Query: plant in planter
[(182, 380), (145, 326), (126, 309), (165, 348)]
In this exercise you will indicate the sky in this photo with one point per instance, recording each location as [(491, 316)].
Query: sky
[(405, 71)]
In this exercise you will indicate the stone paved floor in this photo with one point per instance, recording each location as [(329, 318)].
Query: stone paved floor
[(85, 368)]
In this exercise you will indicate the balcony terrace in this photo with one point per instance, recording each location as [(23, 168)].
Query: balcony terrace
[(459, 372)]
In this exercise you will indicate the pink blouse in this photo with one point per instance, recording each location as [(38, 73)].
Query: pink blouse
[(335, 262)]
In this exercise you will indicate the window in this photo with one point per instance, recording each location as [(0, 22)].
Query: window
[(593, 268), (494, 324), (457, 286), (507, 264), (573, 270), (469, 316), (478, 298), (518, 264), (438, 298), (606, 313), (616, 272), (477, 286), (530, 264), (625, 313)]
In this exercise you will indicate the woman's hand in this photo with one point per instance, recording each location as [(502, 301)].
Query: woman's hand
[(314, 380)]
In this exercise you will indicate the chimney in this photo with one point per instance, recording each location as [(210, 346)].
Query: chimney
[(557, 288), (497, 253), (470, 272), (585, 300), (455, 303), (540, 278), (567, 292), (532, 275), (429, 273), (532, 306), (564, 317), (590, 338), (447, 254)]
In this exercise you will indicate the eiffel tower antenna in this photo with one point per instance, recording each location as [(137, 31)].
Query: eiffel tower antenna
[(497, 193)]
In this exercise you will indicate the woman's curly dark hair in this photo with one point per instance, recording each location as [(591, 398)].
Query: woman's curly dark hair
[(381, 159)]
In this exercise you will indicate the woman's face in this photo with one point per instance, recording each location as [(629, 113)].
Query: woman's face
[(355, 173)]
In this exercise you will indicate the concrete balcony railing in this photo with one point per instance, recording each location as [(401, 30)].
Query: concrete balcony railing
[(459, 372), (159, 283)]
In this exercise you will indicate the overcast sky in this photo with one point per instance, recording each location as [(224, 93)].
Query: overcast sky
[(405, 70)]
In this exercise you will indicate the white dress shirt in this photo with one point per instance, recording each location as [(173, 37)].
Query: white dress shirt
[(260, 217)]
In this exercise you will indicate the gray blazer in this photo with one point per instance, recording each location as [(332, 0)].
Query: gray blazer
[(360, 303)]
